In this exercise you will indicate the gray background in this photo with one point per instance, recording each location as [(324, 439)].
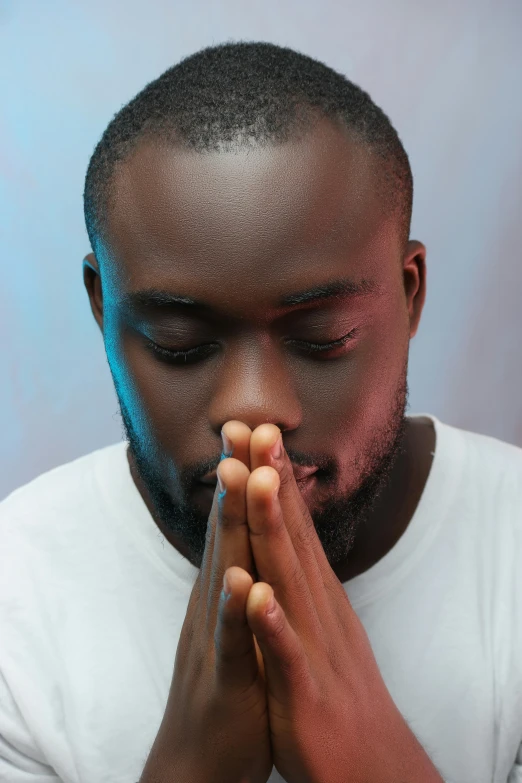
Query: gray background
[(449, 75)]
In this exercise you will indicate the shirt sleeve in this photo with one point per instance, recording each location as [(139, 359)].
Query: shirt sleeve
[(515, 776), (20, 760)]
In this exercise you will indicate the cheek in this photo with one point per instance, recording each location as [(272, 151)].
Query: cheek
[(385, 362), (159, 401), (385, 356), (352, 401)]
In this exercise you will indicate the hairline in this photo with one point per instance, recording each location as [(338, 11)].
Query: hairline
[(171, 140)]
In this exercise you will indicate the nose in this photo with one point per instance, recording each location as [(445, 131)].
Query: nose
[(254, 385)]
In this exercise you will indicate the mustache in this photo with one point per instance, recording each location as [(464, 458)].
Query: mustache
[(192, 474)]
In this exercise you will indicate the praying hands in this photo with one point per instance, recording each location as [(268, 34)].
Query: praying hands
[(280, 671)]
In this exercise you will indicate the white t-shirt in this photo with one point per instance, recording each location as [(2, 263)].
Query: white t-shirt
[(93, 598)]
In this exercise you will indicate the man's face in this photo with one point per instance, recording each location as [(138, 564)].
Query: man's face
[(240, 232)]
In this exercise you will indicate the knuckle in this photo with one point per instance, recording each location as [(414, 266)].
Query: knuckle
[(274, 526), (335, 590), (230, 652), (302, 534), (231, 512), (278, 626), (230, 639), (230, 518), (299, 581), (286, 477)]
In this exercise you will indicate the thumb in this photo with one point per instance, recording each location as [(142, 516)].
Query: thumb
[(283, 654), (237, 662)]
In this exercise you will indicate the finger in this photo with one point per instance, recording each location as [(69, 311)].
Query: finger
[(235, 436), (235, 440), (287, 672), (232, 539), (237, 653), (200, 589), (274, 553), (296, 514)]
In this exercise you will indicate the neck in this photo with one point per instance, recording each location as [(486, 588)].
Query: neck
[(396, 504)]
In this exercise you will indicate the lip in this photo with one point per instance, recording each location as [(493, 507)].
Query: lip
[(300, 474), (210, 479), (306, 483)]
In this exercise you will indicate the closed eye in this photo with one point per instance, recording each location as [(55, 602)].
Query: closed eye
[(188, 356), (321, 347), (198, 352)]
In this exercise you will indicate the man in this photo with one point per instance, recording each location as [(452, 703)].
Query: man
[(253, 276)]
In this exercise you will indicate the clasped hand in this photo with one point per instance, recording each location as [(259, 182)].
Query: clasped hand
[(331, 717)]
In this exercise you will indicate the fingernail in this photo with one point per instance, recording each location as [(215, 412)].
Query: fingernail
[(221, 483), (227, 446), (226, 585), (277, 448)]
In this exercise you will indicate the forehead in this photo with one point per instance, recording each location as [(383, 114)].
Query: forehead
[(255, 220)]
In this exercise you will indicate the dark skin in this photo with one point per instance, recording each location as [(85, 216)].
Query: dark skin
[(240, 231)]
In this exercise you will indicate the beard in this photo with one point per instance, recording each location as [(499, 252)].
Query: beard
[(336, 520)]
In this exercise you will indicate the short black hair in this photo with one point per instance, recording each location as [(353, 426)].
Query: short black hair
[(239, 93)]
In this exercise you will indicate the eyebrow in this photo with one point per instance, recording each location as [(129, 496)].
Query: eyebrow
[(153, 298)]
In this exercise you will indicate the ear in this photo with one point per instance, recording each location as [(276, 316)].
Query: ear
[(414, 275), (92, 282)]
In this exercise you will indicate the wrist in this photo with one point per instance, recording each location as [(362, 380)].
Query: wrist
[(410, 761)]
